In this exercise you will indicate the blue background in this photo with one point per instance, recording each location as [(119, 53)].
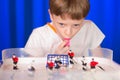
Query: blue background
[(19, 17)]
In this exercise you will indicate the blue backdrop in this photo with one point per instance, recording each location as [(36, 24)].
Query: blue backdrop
[(19, 17)]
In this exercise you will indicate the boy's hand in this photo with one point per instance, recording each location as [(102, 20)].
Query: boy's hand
[(62, 48)]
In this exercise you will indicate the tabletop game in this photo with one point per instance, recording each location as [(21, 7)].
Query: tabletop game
[(17, 65)]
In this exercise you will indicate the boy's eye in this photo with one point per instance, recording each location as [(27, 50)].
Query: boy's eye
[(76, 24), (61, 24)]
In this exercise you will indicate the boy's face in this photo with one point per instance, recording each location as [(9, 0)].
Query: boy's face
[(66, 28)]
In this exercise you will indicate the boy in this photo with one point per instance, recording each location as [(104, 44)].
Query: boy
[(67, 21)]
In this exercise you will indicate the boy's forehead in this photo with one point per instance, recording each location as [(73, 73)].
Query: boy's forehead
[(66, 17), (66, 20)]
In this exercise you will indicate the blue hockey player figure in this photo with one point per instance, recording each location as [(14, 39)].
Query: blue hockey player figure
[(58, 63), (84, 63), (1, 62), (31, 68)]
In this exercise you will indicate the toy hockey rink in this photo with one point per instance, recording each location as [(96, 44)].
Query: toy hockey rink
[(110, 71)]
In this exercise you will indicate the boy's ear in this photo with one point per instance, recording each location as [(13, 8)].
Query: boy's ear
[(51, 17)]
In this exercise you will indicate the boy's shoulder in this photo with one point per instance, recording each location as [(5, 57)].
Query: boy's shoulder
[(88, 22), (41, 28)]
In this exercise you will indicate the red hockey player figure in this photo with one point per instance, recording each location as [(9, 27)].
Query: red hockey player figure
[(93, 65), (71, 55), (15, 61), (50, 65)]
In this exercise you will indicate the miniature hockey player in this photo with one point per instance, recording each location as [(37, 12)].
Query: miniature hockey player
[(1, 62), (31, 68), (15, 61), (50, 65), (71, 55), (93, 64), (84, 64), (58, 63)]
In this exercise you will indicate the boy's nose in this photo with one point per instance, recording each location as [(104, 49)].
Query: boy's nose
[(68, 31)]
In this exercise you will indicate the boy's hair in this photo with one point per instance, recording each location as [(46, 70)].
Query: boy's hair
[(75, 9)]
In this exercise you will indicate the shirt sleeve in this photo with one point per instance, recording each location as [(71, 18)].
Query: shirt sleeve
[(97, 36), (32, 41), (33, 46)]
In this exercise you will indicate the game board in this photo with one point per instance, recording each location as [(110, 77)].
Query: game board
[(36, 68)]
